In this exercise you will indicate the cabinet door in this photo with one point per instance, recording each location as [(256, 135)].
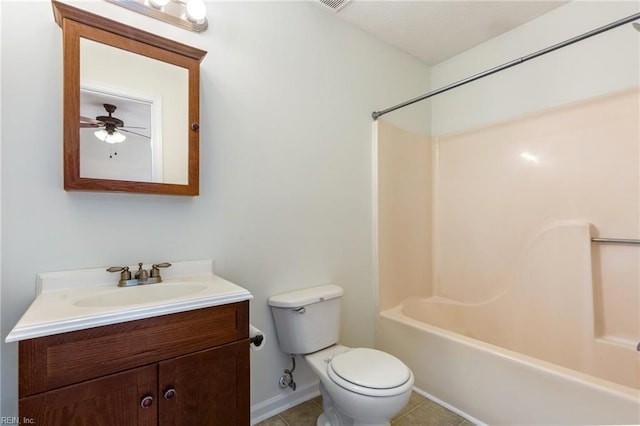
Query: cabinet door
[(210, 387), (107, 401)]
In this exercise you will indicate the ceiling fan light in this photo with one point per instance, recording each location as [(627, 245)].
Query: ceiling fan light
[(115, 137), (196, 11), (101, 134)]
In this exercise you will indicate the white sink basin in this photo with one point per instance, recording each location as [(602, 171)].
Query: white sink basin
[(78, 300), (149, 293)]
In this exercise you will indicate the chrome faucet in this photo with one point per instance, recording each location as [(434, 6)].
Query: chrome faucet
[(141, 276)]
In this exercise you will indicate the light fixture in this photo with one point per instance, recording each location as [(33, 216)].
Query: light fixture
[(110, 137), (196, 11), (189, 14), (159, 3)]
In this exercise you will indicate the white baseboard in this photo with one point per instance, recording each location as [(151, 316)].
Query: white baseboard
[(449, 407), (272, 406)]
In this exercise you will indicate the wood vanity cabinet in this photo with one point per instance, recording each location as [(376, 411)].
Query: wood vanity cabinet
[(188, 368)]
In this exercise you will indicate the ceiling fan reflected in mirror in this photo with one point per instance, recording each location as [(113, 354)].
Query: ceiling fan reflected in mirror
[(110, 127)]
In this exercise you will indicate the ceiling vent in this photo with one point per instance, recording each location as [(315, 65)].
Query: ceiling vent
[(334, 5)]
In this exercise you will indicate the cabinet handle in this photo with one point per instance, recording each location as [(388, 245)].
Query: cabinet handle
[(170, 393), (146, 401)]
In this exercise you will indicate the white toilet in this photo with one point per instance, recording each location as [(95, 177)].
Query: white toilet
[(359, 386)]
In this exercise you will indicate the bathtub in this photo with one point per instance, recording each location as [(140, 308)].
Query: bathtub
[(489, 384)]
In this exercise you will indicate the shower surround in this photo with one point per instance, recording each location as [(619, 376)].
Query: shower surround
[(486, 264)]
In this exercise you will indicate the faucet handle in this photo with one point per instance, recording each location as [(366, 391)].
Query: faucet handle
[(125, 273), (155, 271)]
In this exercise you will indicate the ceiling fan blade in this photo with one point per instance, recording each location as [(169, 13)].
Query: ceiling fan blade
[(89, 120), (91, 125), (129, 131), (131, 127)]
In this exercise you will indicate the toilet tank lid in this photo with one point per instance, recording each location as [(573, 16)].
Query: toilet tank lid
[(307, 296)]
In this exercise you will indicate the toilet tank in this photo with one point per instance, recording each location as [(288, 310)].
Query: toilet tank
[(307, 320)]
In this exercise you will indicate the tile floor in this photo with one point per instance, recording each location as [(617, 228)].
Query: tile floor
[(420, 411)]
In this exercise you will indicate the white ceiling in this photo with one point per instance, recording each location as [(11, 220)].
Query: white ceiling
[(434, 30)]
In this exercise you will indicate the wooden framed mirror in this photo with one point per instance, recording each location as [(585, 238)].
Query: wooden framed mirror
[(131, 107)]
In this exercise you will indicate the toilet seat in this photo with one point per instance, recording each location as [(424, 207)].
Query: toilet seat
[(370, 372)]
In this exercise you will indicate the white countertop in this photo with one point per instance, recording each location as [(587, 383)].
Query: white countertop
[(76, 300)]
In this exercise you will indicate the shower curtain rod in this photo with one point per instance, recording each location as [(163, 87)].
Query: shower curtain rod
[(376, 114)]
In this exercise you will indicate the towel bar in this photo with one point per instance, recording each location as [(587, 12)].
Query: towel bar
[(615, 240)]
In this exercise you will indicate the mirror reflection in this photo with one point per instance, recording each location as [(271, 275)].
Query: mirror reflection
[(131, 107), (133, 116)]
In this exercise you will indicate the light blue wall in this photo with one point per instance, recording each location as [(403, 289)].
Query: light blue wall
[(601, 64)]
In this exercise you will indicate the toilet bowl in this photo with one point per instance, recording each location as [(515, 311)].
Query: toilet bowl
[(359, 386)]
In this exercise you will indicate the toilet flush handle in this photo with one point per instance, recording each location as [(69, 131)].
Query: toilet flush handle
[(300, 310)]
